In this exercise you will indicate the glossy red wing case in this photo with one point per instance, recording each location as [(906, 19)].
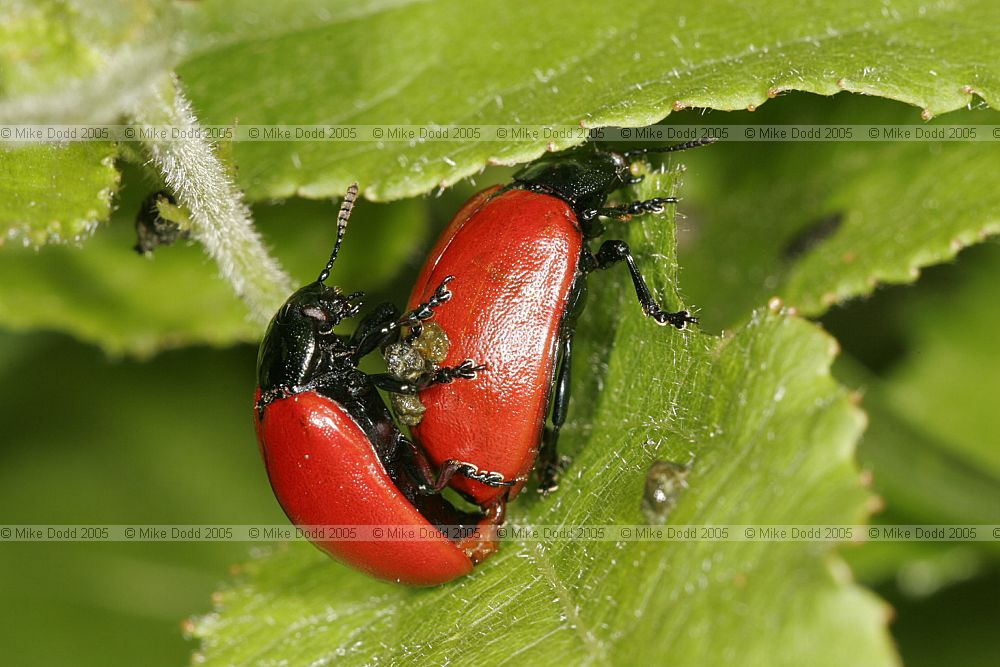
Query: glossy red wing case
[(324, 471), (514, 255)]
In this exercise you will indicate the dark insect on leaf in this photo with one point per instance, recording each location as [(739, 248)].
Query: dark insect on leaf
[(153, 229)]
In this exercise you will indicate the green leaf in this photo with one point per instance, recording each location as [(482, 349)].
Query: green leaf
[(826, 222), (630, 64), (770, 436), (81, 62), (936, 211), (51, 194)]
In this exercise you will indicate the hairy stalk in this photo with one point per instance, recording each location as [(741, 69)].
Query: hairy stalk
[(220, 219)]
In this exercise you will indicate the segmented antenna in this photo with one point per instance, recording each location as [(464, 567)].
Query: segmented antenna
[(670, 149), (346, 206)]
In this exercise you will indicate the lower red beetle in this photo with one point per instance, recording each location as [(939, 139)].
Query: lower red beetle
[(522, 256), (332, 452)]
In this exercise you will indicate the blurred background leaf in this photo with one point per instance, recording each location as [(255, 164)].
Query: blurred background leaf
[(931, 444), (83, 61), (87, 441)]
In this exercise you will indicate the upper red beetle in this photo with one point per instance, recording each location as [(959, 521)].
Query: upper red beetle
[(521, 253), (332, 452)]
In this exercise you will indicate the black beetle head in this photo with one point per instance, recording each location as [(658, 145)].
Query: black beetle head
[(320, 307), (300, 341)]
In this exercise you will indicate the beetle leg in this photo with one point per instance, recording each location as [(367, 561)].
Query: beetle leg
[(551, 465), (429, 483), (376, 329), (415, 330), (397, 385), (394, 384), (467, 370), (379, 327), (456, 467), (655, 205), (704, 141), (613, 252), (425, 311)]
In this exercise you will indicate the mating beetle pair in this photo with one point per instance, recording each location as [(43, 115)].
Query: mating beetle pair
[(332, 451)]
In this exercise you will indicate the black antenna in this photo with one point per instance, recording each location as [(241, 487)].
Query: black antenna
[(346, 206), (670, 149)]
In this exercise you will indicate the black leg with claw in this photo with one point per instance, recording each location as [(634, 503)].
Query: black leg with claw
[(615, 251), (431, 482)]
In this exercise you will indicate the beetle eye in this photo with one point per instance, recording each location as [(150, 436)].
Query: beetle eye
[(314, 313), (325, 329)]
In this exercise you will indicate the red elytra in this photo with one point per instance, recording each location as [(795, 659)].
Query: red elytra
[(517, 254), (325, 472)]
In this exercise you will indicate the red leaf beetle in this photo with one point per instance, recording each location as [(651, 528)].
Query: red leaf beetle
[(522, 255), (333, 454)]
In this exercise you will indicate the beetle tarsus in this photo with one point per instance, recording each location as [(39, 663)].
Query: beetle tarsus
[(428, 485), (681, 319), (696, 143), (473, 472), (441, 294), (467, 370), (425, 311), (549, 473), (655, 205), (416, 329)]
